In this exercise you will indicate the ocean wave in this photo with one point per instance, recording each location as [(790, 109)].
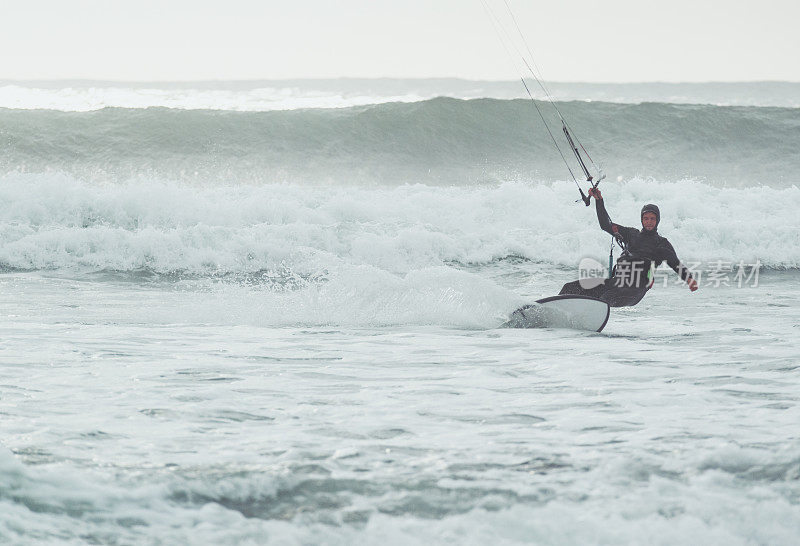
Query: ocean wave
[(265, 95), (290, 233), (439, 141), (288, 504)]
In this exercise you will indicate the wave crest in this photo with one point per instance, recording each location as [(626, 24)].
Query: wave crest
[(439, 141), (58, 222)]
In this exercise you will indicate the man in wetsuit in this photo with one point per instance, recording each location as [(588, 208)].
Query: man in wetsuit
[(643, 251)]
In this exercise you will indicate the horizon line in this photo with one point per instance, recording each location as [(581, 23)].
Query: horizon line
[(376, 79)]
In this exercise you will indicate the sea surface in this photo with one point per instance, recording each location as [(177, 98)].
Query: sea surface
[(268, 313)]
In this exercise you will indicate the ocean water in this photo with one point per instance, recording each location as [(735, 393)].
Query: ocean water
[(228, 317)]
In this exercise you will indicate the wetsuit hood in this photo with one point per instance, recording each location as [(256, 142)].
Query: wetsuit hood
[(654, 209)]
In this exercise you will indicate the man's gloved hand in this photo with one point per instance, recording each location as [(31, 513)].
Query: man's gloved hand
[(594, 192), (692, 284)]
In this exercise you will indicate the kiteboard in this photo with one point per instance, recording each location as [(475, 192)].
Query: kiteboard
[(567, 311)]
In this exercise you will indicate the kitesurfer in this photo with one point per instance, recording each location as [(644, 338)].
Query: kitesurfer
[(644, 250)]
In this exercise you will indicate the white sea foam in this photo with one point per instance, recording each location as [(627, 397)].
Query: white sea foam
[(57, 222), (125, 429), (85, 99)]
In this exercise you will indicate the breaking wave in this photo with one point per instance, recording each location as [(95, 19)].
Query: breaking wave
[(284, 232), (439, 141)]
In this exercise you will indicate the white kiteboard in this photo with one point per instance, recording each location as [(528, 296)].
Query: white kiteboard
[(567, 311)]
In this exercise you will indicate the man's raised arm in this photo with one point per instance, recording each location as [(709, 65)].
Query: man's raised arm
[(619, 232)]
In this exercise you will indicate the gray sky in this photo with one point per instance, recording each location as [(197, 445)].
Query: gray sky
[(578, 40)]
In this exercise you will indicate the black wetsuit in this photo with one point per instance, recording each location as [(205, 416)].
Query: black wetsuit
[(632, 278)]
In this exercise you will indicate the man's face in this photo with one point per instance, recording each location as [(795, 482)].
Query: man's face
[(649, 221)]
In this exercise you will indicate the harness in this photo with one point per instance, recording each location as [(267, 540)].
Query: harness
[(617, 238)]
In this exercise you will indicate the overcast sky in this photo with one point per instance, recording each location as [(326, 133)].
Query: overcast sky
[(580, 40)]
